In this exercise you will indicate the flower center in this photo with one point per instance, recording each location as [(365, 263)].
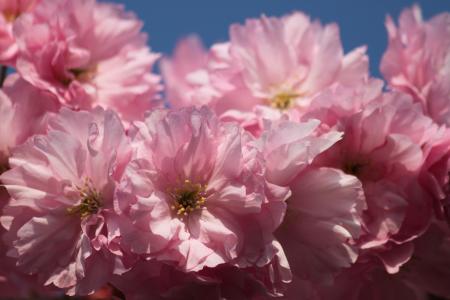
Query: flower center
[(353, 168), (80, 74), (84, 74), (283, 101), (188, 197), (3, 167), (10, 16), (90, 200)]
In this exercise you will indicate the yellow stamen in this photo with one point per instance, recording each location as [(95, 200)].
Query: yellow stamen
[(283, 101), (80, 74), (188, 197), (90, 200), (84, 74), (10, 16)]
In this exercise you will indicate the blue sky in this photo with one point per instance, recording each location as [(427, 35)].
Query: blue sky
[(361, 21)]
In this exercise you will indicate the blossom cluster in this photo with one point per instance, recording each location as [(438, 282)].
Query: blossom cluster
[(272, 165)]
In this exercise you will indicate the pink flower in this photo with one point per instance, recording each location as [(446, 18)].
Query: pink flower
[(22, 111), (195, 193), (185, 74), (60, 221), (279, 63), (323, 217), (10, 10), (21, 118), (88, 54), (13, 283), (429, 267), (417, 60), (156, 280), (153, 280), (425, 273), (370, 281), (385, 144), (434, 176), (323, 220), (284, 61)]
